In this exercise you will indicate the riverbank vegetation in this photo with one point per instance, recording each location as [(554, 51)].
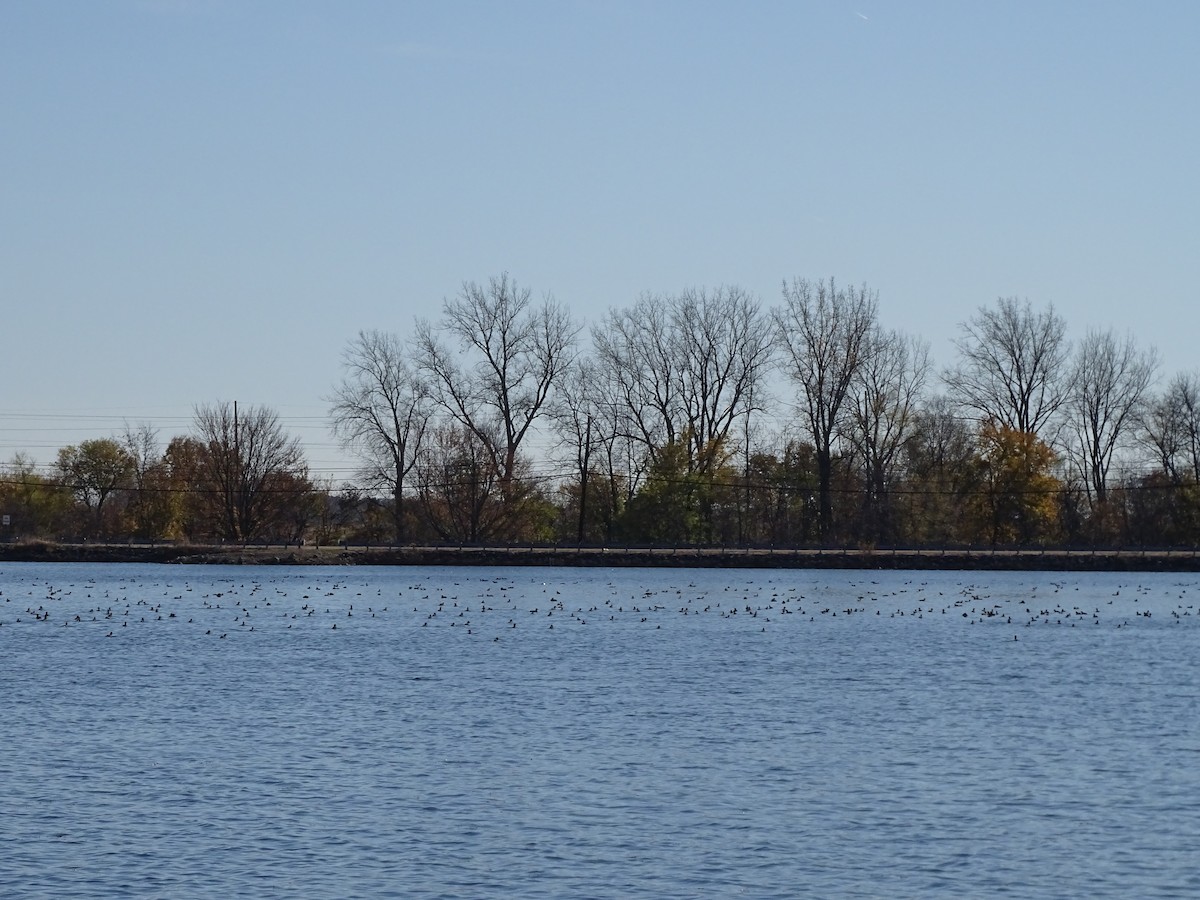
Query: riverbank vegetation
[(506, 421)]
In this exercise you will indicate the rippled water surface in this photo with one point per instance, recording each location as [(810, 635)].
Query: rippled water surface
[(460, 732)]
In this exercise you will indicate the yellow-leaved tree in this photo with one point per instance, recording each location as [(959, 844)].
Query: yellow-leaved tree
[(1018, 498)]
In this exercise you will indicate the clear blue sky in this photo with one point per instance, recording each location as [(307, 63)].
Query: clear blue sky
[(204, 200)]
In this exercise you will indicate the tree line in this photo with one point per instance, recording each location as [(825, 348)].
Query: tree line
[(505, 420)]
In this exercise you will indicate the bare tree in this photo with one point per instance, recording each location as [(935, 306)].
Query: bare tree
[(380, 411), (152, 506), (726, 347), (686, 368), (458, 486), (249, 466), (634, 352), (1011, 364), (141, 443), (577, 421), (1170, 425), (620, 456), (1108, 385), (506, 359), (825, 331), (883, 410)]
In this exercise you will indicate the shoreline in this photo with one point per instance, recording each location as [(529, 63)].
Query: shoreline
[(633, 557)]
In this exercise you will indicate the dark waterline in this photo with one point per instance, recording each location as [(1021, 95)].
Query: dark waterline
[(885, 559)]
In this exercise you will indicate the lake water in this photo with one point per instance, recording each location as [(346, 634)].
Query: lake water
[(457, 732)]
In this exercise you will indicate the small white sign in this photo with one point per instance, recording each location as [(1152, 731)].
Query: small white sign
[(7, 521)]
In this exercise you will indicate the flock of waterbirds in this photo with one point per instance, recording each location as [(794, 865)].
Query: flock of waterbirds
[(494, 603)]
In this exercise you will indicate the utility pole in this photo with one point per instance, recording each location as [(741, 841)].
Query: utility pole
[(744, 510)]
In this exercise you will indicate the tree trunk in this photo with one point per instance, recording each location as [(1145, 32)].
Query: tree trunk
[(825, 492)]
